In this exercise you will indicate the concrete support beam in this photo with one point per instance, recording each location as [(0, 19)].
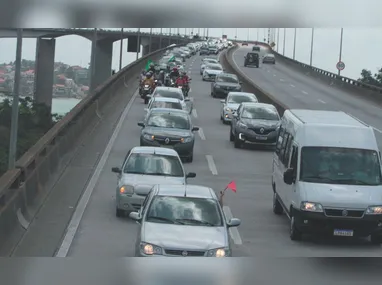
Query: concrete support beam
[(101, 62), (44, 71), (145, 50)]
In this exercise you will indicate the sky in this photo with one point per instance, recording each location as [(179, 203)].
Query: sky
[(361, 47)]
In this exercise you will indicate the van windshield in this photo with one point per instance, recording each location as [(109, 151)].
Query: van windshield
[(335, 165)]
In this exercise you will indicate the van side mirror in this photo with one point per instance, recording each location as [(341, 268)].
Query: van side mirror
[(194, 129), (191, 175), (135, 216), (222, 101), (240, 82), (234, 222), (141, 124), (116, 170), (289, 176)]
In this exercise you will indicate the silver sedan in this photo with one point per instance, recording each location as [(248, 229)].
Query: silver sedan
[(232, 102), (182, 220)]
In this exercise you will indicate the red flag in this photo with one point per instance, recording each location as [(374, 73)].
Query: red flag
[(232, 186)]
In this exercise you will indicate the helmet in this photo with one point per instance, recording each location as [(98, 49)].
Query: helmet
[(152, 65), (144, 71), (148, 74), (184, 73), (161, 72), (175, 69)]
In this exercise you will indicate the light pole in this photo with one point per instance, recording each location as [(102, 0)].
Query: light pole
[(294, 45), (284, 41), (138, 42), (121, 49), (340, 57), (311, 48), (278, 39)]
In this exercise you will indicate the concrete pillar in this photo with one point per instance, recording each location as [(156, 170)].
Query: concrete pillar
[(44, 71), (101, 62), (145, 50)]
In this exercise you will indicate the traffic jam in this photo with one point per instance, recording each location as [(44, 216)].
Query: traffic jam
[(325, 185)]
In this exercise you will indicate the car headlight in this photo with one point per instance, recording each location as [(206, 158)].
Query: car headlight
[(374, 210), (148, 137), (186, 140), (218, 252), (241, 125), (311, 207), (126, 189), (228, 109), (150, 249)]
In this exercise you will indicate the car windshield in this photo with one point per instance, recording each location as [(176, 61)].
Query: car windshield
[(210, 61), (335, 165), (169, 120), (238, 99), (214, 67), (154, 164), (253, 56), (227, 78), (184, 210), (260, 113), (168, 94), (168, 105)]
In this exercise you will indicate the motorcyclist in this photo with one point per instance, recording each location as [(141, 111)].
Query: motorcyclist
[(149, 80), (161, 76), (152, 68), (174, 74)]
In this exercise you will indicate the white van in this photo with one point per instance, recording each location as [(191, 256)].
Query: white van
[(327, 175)]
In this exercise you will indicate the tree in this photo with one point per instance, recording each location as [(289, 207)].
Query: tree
[(368, 78), (69, 72), (33, 124)]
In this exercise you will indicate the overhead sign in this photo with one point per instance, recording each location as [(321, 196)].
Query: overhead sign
[(340, 65)]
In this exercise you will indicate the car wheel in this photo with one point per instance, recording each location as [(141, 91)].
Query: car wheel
[(231, 136), (119, 213), (376, 239), (221, 117), (203, 79), (294, 233), (190, 158), (237, 142), (277, 208), (146, 100)]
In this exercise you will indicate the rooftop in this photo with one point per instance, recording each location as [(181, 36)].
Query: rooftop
[(194, 191)]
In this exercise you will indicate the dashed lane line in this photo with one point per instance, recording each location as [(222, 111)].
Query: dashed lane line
[(282, 80), (194, 113), (211, 164), (306, 93), (291, 85), (321, 101), (201, 134), (234, 232)]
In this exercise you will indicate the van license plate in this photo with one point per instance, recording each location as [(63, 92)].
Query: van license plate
[(261, 138), (343, 233)]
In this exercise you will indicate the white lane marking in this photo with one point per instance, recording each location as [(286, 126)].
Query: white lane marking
[(211, 164), (23, 222), (282, 80), (321, 101), (268, 70), (201, 134), (234, 232), (274, 75), (291, 85), (81, 207), (306, 93), (194, 113)]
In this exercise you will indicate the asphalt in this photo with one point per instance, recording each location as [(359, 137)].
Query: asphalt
[(95, 231)]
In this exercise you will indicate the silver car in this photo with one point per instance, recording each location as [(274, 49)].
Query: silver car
[(206, 61), (172, 92), (232, 102), (269, 58), (142, 168), (211, 70), (182, 221)]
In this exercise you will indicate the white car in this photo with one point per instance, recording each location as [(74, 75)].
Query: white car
[(164, 102), (211, 70), (206, 61), (172, 92), (232, 102)]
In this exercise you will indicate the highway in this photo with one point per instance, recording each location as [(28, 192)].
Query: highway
[(94, 230)]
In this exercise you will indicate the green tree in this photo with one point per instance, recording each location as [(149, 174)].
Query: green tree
[(368, 78), (34, 122)]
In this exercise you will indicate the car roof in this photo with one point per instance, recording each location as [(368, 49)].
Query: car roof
[(195, 191), (210, 58), (241, 93), (171, 89), (227, 74), (167, 99), (260, 105), (168, 110), (154, 150)]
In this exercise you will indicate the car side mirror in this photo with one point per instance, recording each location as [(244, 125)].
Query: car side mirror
[(194, 129), (186, 99), (289, 176), (145, 109), (141, 124), (116, 170), (240, 82), (148, 96), (222, 101), (191, 175), (234, 222), (135, 216)]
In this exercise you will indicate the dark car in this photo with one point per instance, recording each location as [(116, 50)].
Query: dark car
[(255, 123), (169, 128), (244, 44), (269, 58), (251, 59), (256, 48), (225, 83), (204, 51)]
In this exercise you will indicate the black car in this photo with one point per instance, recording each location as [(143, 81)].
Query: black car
[(251, 59), (255, 123), (204, 51), (256, 48), (225, 83), (169, 128)]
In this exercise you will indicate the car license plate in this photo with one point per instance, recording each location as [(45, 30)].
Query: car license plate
[(261, 138), (343, 233)]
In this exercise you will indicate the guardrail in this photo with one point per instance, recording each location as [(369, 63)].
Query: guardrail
[(20, 187), (334, 78)]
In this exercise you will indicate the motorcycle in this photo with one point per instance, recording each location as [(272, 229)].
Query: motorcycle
[(146, 90)]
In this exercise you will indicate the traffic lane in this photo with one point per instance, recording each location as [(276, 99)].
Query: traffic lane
[(100, 233), (262, 232), (310, 93)]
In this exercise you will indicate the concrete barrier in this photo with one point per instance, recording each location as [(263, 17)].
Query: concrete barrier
[(23, 189), (352, 86)]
